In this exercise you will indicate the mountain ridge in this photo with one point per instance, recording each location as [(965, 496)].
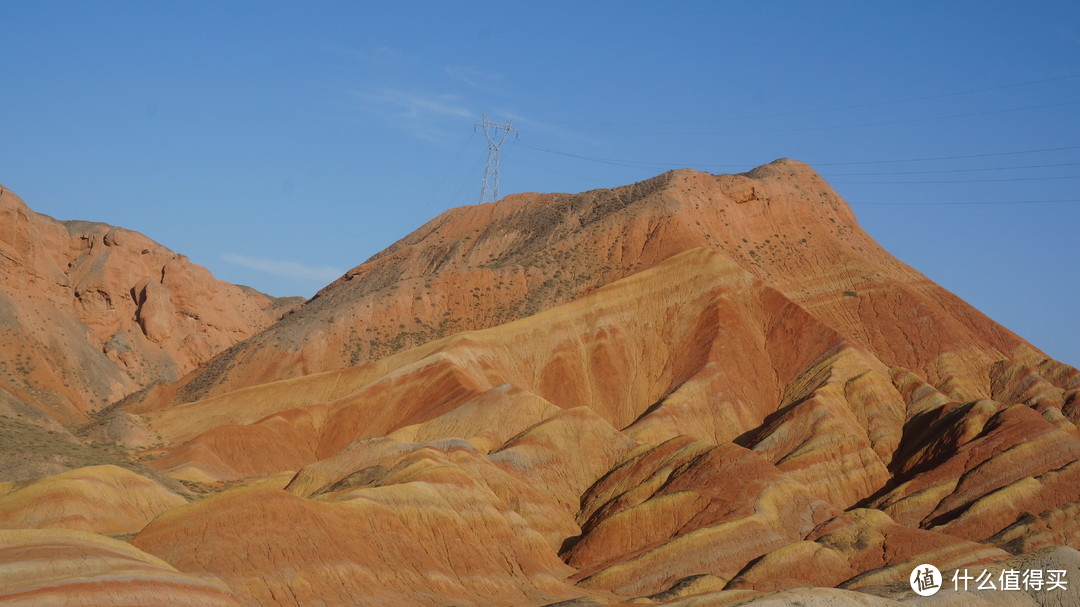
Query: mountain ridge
[(529, 252), (698, 389)]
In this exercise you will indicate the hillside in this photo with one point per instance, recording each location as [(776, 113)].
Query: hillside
[(686, 420), (90, 313), (479, 266), (695, 390)]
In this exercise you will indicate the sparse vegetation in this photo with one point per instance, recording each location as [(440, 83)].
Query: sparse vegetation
[(24, 443)]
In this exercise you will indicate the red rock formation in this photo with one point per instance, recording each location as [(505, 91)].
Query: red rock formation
[(696, 390), (433, 539), (475, 267), (90, 313), (821, 426), (708, 509), (861, 548), (624, 351)]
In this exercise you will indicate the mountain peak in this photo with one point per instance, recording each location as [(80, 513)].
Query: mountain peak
[(478, 266)]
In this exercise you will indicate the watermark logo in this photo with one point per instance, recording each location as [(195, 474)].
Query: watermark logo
[(1011, 579), (925, 580)]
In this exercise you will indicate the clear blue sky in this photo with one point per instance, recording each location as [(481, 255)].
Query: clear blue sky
[(280, 144)]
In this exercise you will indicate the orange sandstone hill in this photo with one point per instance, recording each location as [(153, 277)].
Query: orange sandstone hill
[(697, 390), (90, 313), (479, 266)]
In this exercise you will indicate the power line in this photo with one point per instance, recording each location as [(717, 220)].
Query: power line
[(856, 125), (957, 157), (975, 202), (997, 202), (638, 164), (444, 177), (1029, 166), (468, 177), (890, 203), (824, 110), (634, 164), (582, 177), (917, 181)]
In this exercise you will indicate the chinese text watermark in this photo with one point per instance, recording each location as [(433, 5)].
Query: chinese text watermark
[(926, 580)]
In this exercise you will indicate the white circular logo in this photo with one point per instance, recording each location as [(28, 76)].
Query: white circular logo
[(925, 580)]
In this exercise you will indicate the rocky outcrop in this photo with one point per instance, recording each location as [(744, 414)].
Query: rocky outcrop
[(698, 510), (90, 313), (862, 547)]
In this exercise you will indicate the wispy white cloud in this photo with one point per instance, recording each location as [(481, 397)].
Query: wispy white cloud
[(423, 115), (288, 269), (414, 105), (474, 77), (531, 127)]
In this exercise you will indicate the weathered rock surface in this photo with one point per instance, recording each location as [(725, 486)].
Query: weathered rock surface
[(697, 390), (90, 313), (630, 351), (479, 266), (746, 486), (435, 538), (699, 510), (101, 499), (53, 567), (860, 548)]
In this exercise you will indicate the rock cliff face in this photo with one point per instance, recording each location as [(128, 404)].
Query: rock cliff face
[(90, 313), (697, 390)]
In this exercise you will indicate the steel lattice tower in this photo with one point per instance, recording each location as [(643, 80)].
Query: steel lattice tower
[(495, 133)]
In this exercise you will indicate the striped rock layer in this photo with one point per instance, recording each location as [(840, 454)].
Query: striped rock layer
[(695, 390)]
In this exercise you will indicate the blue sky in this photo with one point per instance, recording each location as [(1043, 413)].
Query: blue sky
[(280, 144)]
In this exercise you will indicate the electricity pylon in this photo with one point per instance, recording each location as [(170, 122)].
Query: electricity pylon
[(495, 133)]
